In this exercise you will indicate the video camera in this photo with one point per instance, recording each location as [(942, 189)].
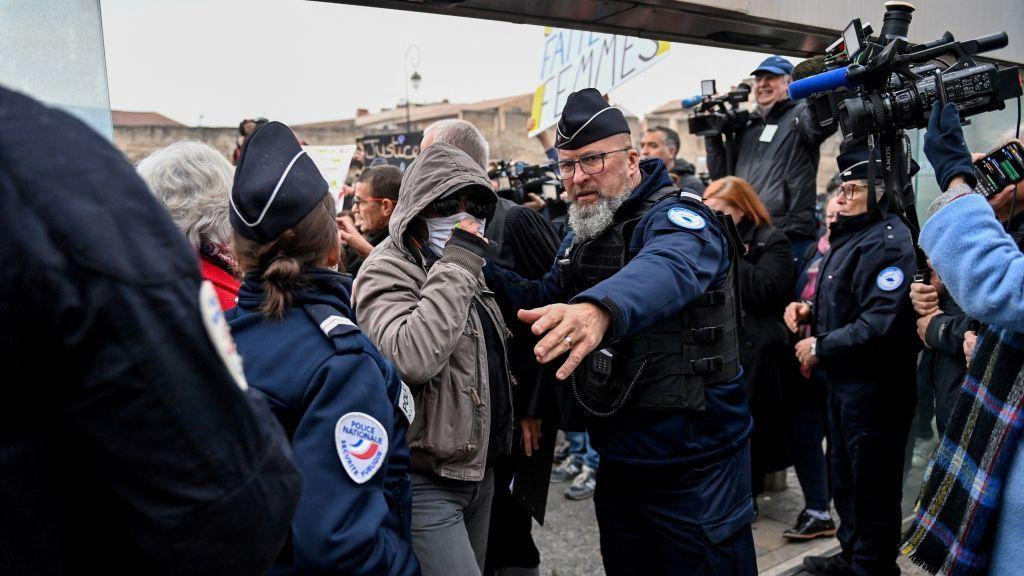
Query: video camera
[(887, 84), (517, 179), (719, 113)]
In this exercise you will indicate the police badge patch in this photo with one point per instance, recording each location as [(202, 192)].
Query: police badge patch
[(889, 279), (362, 444), (685, 218)]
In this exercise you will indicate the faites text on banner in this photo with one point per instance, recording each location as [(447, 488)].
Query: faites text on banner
[(574, 60)]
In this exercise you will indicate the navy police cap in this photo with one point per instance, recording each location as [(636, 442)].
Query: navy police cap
[(587, 118), (276, 184), (853, 162)]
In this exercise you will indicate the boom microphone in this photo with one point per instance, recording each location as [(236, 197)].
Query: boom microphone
[(824, 82)]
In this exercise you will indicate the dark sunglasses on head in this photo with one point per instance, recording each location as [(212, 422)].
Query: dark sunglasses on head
[(473, 201)]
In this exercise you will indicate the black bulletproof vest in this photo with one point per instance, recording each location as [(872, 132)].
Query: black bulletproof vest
[(668, 366)]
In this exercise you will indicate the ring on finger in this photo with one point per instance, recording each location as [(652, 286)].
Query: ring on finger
[(569, 341)]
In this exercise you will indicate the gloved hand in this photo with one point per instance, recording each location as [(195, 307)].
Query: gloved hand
[(945, 147)]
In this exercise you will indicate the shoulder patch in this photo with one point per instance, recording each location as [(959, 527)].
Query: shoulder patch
[(220, 335), (686, 218), (406, 403), (889, 279), (362, 444), (334, 321)]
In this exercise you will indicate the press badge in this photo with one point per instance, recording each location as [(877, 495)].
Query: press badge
[(768, 133)]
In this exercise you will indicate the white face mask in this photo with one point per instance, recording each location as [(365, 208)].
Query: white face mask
[(440, 229)]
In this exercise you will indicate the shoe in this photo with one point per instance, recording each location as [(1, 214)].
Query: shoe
[(561, 451), (808, 528), (828, 565), (583, 484), (568, 469)]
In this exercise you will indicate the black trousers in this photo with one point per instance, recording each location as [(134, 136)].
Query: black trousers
[(669, 521), (868, 426)]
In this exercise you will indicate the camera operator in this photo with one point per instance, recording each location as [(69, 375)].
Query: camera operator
[(662, 142), (863, 340), (777, 152), (984, 272)]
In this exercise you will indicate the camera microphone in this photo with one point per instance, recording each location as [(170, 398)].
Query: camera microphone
[(809, 67), (691, 101), (824, 82)]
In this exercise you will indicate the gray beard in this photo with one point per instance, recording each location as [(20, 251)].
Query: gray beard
[(588, 222)]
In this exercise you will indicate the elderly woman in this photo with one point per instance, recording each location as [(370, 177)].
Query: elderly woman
[(193, 182)]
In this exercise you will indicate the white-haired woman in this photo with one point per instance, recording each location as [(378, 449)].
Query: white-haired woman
[(193, 181)]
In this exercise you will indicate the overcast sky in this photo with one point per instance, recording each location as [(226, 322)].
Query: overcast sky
[(300, 61)]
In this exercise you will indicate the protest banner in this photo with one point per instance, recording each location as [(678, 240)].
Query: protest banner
[(333, 162), (574, 60), (395, 149)]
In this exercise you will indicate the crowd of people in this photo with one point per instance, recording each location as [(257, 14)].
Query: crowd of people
[(265, 382)]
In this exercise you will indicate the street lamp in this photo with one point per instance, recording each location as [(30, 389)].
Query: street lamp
[(415, 79)]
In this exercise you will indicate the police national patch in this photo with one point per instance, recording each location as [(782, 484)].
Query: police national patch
[(685, 218), (889, 279), (219, 332), (362, 444)]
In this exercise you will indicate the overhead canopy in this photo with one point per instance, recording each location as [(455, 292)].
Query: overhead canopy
[(791, 27)]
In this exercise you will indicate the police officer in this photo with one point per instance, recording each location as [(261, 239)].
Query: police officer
[(129, 443), (341, 403), (641, 299), (863, 340)]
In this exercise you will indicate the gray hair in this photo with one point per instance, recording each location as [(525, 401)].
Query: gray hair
[(463, 136), (193, 181)]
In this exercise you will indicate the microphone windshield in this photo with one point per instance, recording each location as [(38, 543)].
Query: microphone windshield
[(809, 67)]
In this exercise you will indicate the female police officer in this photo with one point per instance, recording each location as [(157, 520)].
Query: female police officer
[(863, 327), (341, 403)]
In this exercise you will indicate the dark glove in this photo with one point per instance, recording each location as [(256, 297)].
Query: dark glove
[(945, 148)]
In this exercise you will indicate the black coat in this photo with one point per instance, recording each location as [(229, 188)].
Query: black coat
[(942, 365), (766, 282), (783, 170), (685, 176)]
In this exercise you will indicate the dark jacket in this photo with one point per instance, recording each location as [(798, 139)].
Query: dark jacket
[(670, 266), (863, 318), (766, 278), (942, 365), (320, 375), (685, 176), (783, 170), (126, 444), (353, 261)]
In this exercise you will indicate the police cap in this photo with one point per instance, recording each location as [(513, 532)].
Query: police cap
[(853, 162), (276, 184), (587, 118)]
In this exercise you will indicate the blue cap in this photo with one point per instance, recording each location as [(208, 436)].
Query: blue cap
[(774, 65)]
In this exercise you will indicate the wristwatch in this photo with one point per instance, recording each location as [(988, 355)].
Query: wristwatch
[(814, 347)]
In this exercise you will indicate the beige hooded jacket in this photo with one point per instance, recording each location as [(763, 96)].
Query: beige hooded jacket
[(424, 321)]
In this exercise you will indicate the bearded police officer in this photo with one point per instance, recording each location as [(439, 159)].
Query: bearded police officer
[(640, 302)]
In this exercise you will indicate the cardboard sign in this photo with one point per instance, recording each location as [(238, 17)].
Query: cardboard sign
[(333, 162), (574, 60), (395, 149)]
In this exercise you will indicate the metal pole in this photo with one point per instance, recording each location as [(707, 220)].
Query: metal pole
[(416, 64)]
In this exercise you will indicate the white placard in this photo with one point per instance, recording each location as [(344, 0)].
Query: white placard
[(573, 60), (333, 162)]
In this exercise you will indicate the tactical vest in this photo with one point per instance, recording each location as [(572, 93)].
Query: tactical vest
[(668, 366)]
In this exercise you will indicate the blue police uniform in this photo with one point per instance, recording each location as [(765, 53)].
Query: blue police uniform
[(126, 444), (865, 332), (673, 490), (347, 413)]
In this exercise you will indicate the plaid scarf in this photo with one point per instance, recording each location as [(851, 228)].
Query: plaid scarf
[(963, 484)]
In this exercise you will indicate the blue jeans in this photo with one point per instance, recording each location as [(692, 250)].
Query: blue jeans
[(579, 443)]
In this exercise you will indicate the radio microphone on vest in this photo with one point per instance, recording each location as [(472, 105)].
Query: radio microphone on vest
[(824, 82), (691, 101)]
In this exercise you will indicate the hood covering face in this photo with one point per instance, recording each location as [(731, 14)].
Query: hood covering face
[(438, 170)]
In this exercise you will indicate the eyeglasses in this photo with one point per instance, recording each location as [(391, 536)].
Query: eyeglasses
[(591, 164), (356, 201), (848, 189)]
